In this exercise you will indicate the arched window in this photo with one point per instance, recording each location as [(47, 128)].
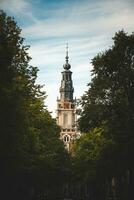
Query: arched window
[(66, 138)]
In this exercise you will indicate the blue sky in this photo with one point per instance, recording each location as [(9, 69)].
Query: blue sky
[(87, 25)]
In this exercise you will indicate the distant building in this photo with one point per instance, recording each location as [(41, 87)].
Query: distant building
[(66, 107)]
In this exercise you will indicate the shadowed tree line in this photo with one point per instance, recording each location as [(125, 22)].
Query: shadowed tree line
[(31, 153), (103, 156), (34, 162)]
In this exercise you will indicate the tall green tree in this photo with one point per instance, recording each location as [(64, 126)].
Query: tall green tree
[(110, 98), (112, 82), (30, 150), (109, 102)]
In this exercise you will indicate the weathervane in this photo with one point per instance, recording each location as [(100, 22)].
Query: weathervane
[(67, 57)]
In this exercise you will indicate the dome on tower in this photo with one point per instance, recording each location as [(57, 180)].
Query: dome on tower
[(66, 66)]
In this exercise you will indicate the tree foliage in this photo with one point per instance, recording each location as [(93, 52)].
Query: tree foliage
[(111, 90), (110, 97), (108, 104), (30, 150)]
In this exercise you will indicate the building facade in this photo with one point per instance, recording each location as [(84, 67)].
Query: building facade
[(66, 107)]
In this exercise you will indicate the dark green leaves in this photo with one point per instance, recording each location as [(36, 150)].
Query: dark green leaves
[(30, 150)]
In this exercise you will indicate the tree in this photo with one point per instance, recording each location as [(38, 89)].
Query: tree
[(93, 161), (30, 150), (109, 100)]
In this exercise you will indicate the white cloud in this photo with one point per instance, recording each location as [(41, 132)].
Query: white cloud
[(19, 8), (100, 17), (48, 29), (15, 6)]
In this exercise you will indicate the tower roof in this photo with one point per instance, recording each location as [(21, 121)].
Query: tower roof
[(67, 66)]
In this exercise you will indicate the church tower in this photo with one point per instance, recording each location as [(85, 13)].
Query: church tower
[(66, 107)]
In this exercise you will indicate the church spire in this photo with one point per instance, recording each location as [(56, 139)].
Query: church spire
[(67, 66), (67, 57)]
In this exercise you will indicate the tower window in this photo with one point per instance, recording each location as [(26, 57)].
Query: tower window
[(66, 138)]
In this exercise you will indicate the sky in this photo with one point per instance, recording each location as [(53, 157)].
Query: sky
[(86, 25)]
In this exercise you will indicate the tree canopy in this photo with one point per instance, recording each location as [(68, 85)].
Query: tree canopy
[(111, 90), (107, 115), (30, 150)]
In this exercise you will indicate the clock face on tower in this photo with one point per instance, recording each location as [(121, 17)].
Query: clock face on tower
[(66, 105)]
